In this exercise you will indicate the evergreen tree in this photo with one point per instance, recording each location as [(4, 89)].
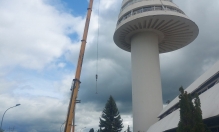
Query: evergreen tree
[(91, 130), (190, 114), (110, 120), (199, 125), (128, 129), (186, 107)]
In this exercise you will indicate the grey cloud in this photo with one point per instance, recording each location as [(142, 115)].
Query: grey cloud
[(43, 114), (197, 57), (178, 68)]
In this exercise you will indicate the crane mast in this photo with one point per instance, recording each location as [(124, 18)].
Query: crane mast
[(70, 121)]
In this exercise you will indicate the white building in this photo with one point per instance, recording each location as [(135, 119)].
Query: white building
[(207, 86)]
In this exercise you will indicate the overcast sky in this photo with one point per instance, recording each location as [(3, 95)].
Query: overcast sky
[(39, 46)]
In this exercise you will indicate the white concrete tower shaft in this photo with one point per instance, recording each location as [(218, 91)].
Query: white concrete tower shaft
[(146, 82), (146, 28)]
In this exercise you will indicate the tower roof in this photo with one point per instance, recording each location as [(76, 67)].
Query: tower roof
[(174, 29)]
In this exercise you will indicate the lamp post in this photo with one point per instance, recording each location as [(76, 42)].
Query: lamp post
[(82, 128), (6, 111)]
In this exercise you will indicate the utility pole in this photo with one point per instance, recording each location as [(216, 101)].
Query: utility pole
[(70, 121)]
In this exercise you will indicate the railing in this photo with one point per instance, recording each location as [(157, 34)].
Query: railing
[(146, 9), (135, 1)]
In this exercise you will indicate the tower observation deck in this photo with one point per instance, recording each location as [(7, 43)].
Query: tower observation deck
[(146, 28)]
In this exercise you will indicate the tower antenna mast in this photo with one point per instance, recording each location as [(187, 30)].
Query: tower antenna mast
[(70, 121)]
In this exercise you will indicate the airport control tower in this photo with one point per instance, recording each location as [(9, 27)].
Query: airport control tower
[(146, 28)]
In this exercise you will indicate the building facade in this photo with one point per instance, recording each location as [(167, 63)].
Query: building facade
[(207, 86)]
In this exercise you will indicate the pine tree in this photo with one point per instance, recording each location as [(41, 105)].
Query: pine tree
[(128, 129), (91, 130), (110, 120)]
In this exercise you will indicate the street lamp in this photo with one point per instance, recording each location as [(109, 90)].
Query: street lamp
[(6, 111), (82, 128)]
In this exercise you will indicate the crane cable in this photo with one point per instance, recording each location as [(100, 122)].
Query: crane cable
[(162, 5), (98, 32)]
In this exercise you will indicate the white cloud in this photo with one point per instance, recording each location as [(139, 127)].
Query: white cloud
[(26, 117), (34, 34), (87, 118), (61, 65)]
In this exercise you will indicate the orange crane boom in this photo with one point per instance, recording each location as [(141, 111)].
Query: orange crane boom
[(70, 122)]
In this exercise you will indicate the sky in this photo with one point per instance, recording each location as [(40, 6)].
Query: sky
[(39, 47)]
